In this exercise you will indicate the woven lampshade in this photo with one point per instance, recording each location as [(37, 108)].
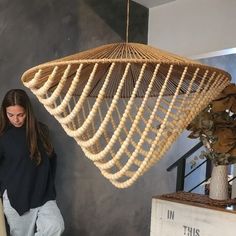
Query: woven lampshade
[(124, 103)]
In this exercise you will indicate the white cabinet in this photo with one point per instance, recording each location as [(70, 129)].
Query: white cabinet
[(180, 218)]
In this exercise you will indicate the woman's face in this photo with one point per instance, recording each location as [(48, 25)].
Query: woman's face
[(16, 115)]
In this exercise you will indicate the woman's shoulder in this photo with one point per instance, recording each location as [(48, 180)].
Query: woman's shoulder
[(7, 128), (43, 127)]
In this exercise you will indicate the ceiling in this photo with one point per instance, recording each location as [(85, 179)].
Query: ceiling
[(152, 3)]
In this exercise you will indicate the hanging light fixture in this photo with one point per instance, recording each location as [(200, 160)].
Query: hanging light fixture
[(125, 103)]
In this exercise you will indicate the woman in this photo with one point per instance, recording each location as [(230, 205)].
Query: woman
[(27, 170)]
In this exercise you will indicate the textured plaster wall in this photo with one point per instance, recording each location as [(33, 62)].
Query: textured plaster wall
[(36, 31)]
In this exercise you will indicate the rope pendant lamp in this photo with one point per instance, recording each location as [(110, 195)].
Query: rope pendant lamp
[(124, 103)]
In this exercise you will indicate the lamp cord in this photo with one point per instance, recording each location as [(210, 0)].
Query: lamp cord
[(127, 22)]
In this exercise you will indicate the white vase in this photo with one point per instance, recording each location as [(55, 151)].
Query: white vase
[(219, 183)]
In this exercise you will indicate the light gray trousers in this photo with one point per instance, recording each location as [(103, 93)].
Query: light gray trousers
[(41, 221)]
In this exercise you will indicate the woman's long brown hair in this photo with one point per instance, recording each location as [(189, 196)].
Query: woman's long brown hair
[(34, 131)]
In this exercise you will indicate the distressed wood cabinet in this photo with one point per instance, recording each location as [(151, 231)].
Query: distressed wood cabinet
[(2, 221)]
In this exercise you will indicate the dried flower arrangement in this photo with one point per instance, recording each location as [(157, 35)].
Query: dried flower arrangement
[(216, 128)]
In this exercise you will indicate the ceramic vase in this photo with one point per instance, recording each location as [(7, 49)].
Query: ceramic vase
[(219, 183)]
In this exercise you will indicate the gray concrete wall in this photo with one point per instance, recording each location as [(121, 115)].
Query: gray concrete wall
[(36, 31)]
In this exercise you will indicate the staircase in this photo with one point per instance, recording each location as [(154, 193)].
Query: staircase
[(191, 178)]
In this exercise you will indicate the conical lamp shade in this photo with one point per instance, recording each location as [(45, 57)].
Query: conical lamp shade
[(124, 103)]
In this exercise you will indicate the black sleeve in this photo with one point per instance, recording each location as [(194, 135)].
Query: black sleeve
[(53, 164), (1, 159), (1, 152), (53, 155)]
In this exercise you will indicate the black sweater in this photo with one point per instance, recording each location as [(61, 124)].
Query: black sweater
[(28, 185)]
